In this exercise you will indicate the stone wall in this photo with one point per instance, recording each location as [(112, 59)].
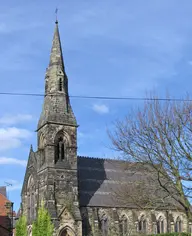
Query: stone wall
[(92, 218)]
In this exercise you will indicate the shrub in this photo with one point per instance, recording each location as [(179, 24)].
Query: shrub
[(172, 234)]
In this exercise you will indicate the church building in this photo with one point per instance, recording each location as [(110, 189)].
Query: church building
[(79, 192)]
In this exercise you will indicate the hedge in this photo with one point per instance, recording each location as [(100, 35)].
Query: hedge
[(172, 234)]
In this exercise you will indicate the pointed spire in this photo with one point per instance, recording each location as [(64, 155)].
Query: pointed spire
[(56, 108), (56, 57)]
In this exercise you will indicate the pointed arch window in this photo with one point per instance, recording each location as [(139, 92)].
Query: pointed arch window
[(160, 225), (41, 141), (190, 227), (124, 226), (31, 199), (178, 225), (60, 152), (60, 84), (104, 225), (143, 224)]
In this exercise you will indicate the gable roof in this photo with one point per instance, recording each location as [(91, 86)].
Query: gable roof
[(3, 190), (102, 182), (99, 179), (3, 207)]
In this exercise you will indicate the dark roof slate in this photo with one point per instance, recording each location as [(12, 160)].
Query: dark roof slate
[(100, 182), (99, 179)]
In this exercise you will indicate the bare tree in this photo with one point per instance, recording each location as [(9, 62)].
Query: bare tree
[(160, 136)]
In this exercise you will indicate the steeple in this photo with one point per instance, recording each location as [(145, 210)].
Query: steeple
[(56, 108), (56, 57)]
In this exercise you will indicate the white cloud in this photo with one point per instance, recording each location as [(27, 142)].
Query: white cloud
[(14, 119), (12, 161), (11, 137), (101, 109)]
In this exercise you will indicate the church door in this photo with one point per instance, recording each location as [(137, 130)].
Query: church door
[(66, 233)]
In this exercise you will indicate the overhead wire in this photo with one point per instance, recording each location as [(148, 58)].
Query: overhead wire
[(99, 97)]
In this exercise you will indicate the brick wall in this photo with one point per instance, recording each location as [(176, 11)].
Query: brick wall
[(5, 221)]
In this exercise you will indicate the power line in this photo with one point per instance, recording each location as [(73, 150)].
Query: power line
[(100, 97)]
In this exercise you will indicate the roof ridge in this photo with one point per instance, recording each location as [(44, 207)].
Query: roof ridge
[(103, 158)]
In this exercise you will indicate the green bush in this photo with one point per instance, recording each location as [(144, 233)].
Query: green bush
[(172, 234), (21, 226), (43, 225)]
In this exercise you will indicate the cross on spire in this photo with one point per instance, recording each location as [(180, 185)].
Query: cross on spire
[(56, 15)]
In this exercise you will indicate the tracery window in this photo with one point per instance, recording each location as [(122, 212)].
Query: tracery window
[(124, 226), (160, 225), (178, 225), (62, 144), (143, 224), (104, 225)]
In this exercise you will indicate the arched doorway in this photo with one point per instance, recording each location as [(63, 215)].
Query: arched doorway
[(67, 232)]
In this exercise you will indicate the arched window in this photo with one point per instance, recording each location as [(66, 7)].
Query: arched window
[(62, 144), (60, 152), (124, 226), (67, 232), (160, 225), (31, 199), (143, 224), (178, 225), (104, 225), (41, 141), (60, 84), (190, 227)]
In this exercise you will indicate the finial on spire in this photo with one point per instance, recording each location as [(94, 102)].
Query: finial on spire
[(31, 148), (56, 11)]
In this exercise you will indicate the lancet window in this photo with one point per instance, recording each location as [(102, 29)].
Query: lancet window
[(104, 225), (60, 84), (143, 224), (61, 146), (160, 225), (178, 225), (31, 199), (124, 226)]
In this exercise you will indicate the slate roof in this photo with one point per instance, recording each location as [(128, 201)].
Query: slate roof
[(101, 180)]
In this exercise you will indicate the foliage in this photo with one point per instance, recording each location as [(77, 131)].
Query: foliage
[(172, 234), (43, 225), (158, 138), (21, 226)]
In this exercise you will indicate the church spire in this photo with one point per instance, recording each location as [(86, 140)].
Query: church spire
[(56, 108), (56, 57)]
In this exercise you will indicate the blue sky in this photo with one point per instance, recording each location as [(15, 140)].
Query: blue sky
[(111, 48)]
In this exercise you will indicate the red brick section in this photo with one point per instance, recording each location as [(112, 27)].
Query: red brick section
[(5, 223)]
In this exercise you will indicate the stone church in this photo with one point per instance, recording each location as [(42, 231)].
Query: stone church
[(79, 192)]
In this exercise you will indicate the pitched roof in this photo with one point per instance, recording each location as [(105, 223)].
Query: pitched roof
[(3, 207), (103, 182), (3, 191), (100, 178)]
